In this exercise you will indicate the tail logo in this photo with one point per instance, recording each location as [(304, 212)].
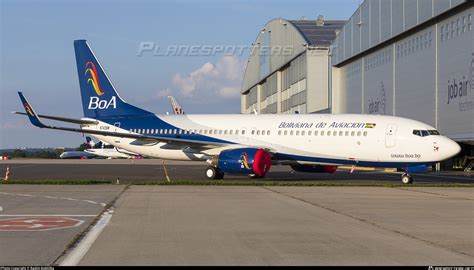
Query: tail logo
[(244, 161), (94, 78), (28, 109)]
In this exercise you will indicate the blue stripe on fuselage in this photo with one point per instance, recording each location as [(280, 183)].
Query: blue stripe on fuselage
[(282, 156), (152, 121)]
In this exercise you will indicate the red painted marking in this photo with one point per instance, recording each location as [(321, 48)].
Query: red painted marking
[(36, 224)]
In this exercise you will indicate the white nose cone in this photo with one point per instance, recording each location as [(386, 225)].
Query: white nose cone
[(451, 148)]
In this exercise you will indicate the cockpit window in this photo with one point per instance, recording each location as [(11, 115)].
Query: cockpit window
[(433, 132), (424, 133)]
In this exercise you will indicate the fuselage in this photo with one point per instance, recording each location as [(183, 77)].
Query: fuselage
[(364, 140)]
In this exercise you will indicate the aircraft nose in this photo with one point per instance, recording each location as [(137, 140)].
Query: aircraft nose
[(452, 148)]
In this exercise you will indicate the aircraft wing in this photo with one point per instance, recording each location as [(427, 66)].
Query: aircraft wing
[(34, 119)]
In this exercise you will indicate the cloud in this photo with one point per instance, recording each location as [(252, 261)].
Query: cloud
[(163, 93), (221, 80)]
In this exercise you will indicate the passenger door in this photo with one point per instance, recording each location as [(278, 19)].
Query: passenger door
[(390, 135)]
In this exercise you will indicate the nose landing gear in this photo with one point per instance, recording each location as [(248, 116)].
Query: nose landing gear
[(407, 179)]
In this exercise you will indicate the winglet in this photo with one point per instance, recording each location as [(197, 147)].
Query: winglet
[(30, 112)]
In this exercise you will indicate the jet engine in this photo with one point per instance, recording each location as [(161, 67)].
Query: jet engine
[(314, 168), (244, 161)]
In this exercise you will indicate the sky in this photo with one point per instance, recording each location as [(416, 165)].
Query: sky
[(137, 43)]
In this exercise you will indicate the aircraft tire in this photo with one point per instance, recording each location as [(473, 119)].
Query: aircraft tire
[(214, 173), (407, 179)]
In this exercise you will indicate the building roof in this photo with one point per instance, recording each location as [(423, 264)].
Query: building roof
[(318, 35)]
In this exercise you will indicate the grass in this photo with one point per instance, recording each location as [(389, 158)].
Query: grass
[(56, 182)]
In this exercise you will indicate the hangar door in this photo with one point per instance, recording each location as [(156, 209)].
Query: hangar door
[(390, 135)]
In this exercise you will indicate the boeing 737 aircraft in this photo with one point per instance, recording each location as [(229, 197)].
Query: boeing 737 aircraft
[(248, 144), (107, 150)]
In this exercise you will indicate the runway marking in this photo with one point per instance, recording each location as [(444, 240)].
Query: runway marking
[(39, 224), (90, 201), (76, 255), (51, 197), (166, 172)]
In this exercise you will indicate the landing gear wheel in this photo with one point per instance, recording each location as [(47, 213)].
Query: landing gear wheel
[(214, 173), (255, 176), (407, 179)]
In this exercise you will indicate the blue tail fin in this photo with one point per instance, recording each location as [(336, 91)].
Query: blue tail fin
[(99, 97)]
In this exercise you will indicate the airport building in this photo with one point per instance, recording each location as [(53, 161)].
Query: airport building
[(409, 58), (287, 71)]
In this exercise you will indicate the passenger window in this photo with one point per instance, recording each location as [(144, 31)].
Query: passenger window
[(279, 132), (334, 133), (365, 133), (285, 132), (309, 133), (231, 131), (291, 132), (258, 132), (225, 132), (175, 131), (340, 133), (347, 133), (253, 132), (220, 131), (358, 133), (352, 133), (243, 132), (166, 131), (302, 133), (152, 131), (316, 133), (268, 132), (161, 131), (236, 132), (322, 132), (297, 133)]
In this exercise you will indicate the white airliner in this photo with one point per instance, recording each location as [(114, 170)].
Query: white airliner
[(108, 150), (249, 144)]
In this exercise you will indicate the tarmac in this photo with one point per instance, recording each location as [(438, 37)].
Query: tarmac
[(189, 225), (230, 225), (154, 170)]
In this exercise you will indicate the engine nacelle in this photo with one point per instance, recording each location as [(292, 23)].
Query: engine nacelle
[(244, 161), (314, 168)]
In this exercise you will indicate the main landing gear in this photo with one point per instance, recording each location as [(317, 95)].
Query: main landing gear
[(407, 179), (214, 173)]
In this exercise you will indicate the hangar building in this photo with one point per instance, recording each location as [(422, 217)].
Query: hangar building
[(410, 58)]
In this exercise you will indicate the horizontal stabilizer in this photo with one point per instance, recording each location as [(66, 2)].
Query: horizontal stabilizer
[(64, 119)]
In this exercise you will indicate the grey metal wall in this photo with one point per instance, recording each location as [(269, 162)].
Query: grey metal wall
[(455, 38), (378, 20), (427, 76)]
